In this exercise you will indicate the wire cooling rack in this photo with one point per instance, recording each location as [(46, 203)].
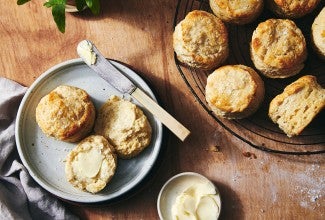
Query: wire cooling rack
[(258, 130)]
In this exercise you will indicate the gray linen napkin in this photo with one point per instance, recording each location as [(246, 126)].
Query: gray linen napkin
[(20, 196)]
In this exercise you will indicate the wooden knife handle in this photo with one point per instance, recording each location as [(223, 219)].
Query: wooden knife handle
[(164, 117)]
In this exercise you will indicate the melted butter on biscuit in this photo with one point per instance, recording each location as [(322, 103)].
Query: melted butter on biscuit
[(88, 163)]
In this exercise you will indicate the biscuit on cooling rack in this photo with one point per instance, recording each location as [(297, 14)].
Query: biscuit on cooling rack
[(237, 12), (296, 107), (278, 48), (318, 34), (91, 164), (200, 40), (292, 8), (234, 91), (125, 126), (66, 113)]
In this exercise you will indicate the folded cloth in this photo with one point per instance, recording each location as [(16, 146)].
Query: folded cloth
[(20, 196)]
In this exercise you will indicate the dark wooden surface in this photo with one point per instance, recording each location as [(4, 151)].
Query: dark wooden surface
[(138, 32)]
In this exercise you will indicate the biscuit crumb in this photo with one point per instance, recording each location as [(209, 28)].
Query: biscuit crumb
[(214, 148), (249, 155)]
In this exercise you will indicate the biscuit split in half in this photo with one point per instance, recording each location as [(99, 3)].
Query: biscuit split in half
[(278, 48), (296, 107), (91, 164), (201, 40), (234, 91), (66, 113), (125, 126)]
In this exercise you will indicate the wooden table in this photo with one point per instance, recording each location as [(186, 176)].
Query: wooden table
[(138, 32)]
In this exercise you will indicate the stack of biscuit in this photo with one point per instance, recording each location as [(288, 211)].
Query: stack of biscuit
[(277, 49), (122, 130)]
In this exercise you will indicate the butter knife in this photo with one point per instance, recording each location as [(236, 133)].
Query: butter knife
[(96, 61)]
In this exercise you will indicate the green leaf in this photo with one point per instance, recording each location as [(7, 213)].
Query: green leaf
[(21, 2), (58, 12), (51, 3), (94, 6), (80, 4)]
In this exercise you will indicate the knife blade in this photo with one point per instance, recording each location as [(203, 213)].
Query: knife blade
[(96, 61)]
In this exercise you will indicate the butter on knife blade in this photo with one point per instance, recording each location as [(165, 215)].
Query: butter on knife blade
[(95, 60)]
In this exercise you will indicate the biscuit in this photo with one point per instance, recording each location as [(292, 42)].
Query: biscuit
[(278, 48), (201, 40), (292, 8), (125, 126), (296, 107), (66, 113), (318, 34), (238, 11), (234, 91), (91, 164)]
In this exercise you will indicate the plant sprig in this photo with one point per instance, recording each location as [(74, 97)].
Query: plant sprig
[(58, 9)]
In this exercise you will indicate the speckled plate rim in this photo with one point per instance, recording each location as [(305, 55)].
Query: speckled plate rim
[(85, 197), (178, 176)]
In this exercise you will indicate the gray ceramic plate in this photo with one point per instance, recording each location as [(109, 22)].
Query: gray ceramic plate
[(44, 157)]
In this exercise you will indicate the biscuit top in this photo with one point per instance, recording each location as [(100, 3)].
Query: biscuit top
[(202, 35), (230, 88), (236, 9), (64, 111), (318, 31), (294, 8), (278, 43)]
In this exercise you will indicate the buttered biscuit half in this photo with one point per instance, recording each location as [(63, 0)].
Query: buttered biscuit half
[(91, 164), (125, 126)]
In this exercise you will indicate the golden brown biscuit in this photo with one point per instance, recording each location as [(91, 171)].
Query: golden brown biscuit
[(66, 113), (234, 92), (296, 107), (292, 8), (278, 48), (318, 34), (125, 126), (91, 164), (201, 40), (237, 11)]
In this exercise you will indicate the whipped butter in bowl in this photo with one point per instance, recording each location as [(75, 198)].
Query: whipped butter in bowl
[(189, 196)]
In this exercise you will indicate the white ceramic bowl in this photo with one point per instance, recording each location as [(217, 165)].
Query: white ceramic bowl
[(44, 156), (174, 187)]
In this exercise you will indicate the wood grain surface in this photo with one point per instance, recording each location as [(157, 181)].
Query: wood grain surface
[(253, 184)]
